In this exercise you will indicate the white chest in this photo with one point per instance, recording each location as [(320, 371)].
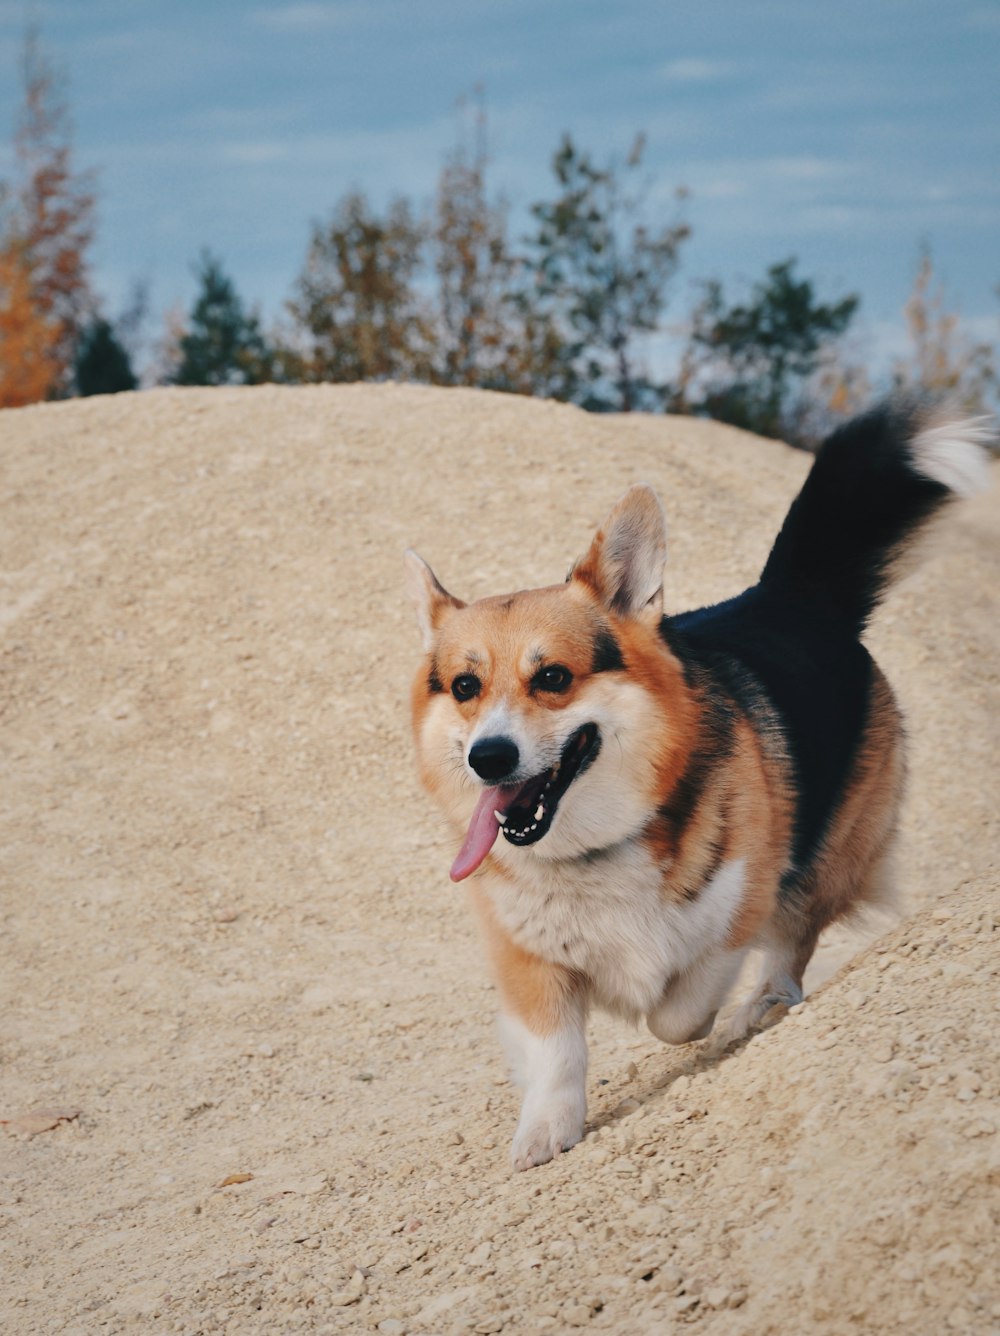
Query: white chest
[(607, 917)]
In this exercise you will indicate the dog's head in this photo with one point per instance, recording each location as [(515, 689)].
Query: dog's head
[(545, 716)]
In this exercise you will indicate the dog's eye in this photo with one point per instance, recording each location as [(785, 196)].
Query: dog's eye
[(465, 686), (552, 678)]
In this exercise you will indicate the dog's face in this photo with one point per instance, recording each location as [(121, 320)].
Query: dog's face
[(544, 715)]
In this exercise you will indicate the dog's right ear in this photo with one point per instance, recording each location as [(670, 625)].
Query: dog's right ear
[(624, 564), (431, 598)]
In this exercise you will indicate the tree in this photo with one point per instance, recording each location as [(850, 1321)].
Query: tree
[(943, 360), (748, 358), (222, 344), (46, 229), (28, 359), (479, 339), (355, 302), (598, 275), (102, 365)]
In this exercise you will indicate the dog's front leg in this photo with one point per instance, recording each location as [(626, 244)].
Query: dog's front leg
[(549, 1058), (543, 1025)]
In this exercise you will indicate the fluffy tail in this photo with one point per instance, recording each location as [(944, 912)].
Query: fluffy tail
[(875, 483)]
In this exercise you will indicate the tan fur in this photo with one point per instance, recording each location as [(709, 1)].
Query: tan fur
[(745, 812), (534, 990), (669, 853), (500, 640), (652, 667), (760, 816)]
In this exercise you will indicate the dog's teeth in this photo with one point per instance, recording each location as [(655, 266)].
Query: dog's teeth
[(539, 812), (499, 816)]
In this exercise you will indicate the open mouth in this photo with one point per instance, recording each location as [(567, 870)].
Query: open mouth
[(530, 812), (524, 812)]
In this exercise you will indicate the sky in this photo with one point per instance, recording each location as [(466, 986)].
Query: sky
[(845, 134)]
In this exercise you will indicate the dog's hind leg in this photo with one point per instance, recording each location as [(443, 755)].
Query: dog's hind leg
[(791, 938), (779, 985), (690, 1001), (852, 870)]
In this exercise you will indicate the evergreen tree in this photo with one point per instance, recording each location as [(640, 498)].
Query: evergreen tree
[(751, 356), (223, 344), (102, 364)]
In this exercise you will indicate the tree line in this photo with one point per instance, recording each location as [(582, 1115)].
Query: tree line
[(447, 297)]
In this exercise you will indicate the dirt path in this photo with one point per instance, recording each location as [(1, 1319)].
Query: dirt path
[(229, 941)]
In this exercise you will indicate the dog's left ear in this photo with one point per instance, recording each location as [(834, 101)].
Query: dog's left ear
[(431, 598), (624, 565)]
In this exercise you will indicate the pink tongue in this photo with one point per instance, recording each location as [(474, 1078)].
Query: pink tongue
[(482, 833)]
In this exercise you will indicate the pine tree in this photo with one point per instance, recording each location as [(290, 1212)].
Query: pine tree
[(102, 364), (751, 356), (222, 344)]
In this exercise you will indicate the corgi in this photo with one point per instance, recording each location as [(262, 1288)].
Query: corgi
[(643, 798)]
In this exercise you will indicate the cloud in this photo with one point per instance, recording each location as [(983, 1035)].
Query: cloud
[(255, 152), (803, 168), (804, 177), (300, 18), (983, 20), (982, 328), (833, 217), (695, 69), (722, 187)]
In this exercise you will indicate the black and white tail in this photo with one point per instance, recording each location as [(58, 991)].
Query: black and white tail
[(874, 485)]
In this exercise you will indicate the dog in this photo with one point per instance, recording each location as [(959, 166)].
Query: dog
[(642, 798)]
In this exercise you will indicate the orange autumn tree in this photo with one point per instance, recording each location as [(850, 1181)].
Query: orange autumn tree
[(29, 365), (46, 228)]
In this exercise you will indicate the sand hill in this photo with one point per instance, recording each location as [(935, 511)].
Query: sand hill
[(236, 975)]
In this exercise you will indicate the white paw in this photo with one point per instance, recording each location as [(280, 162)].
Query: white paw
[(540, 1139), (762, 1011)]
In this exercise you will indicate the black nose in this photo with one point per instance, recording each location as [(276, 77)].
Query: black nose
[(494, 758)]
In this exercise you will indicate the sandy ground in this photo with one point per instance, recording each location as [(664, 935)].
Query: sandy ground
[(230, 948)]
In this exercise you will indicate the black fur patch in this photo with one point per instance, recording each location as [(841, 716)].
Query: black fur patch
[(434, 685), (607, 654), (714, 745), (787, 651), (810, 673)]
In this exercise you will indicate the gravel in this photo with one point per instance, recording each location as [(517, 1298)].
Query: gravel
[(229, 940)]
